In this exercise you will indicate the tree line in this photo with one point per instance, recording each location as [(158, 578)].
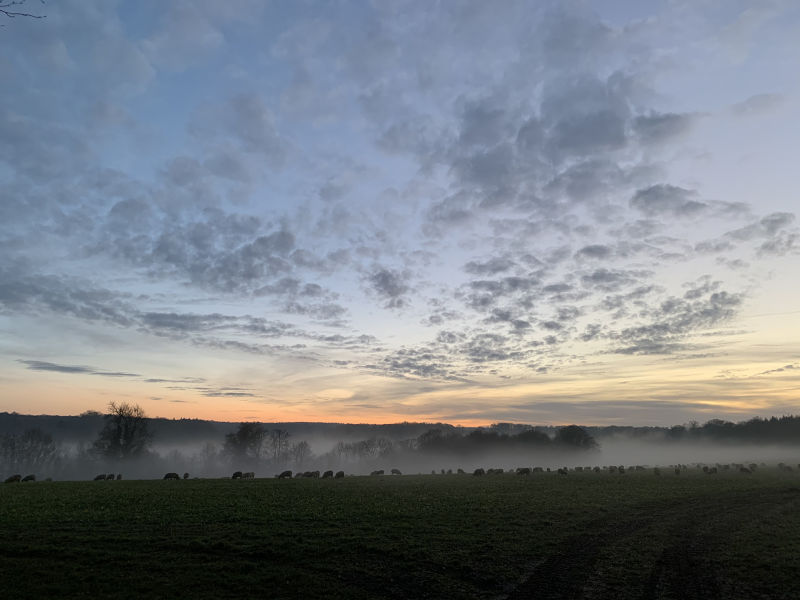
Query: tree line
[(125, 439)]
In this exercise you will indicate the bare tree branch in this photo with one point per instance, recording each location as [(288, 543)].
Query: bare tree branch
[(7, 9)]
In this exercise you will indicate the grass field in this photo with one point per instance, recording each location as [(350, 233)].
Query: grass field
[(586, 535)]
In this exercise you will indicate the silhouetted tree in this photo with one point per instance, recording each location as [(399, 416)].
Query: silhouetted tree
[(126, 433), (574, 437), (31, 450), (247, 442), (279, 441), (301, 452)]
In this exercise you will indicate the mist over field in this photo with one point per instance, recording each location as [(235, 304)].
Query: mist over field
[(71, 448)]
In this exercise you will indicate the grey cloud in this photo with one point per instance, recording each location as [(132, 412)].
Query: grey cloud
[(676, 319), (599, 251), (391, 285), (655, 128), (666, 199), (38, 365), (490, 267), (757, 105), (610, 280)]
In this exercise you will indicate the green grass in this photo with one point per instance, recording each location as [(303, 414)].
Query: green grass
[(585, 535)]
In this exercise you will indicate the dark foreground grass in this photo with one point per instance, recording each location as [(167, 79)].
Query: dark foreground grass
[(547, 536)]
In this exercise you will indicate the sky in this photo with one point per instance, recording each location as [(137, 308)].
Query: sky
[(469, 212)]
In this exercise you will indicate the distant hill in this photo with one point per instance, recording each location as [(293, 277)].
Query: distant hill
[(85, 427)]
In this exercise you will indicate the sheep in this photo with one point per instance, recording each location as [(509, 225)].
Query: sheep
[(236, 475), (523, 471), (339, 475), (562, 471), (299, 474), (110, 477), (172, 476), (396, 472), (14, 479), (379, 472), (597, 469), (478, 472), (677, 470), (101, 477), (119, 476), (744, 470), (30, 477), (327, 474), (186, 475), (248, 475), (460, 471), (285, 475)]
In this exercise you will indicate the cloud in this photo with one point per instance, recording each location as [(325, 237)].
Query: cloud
[(38, 365), (391, 285), (666, 199), (656, 128), (758, 104)]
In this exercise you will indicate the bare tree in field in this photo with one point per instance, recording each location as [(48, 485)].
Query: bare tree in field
[(301, 452), (279, 440), (126, 433)]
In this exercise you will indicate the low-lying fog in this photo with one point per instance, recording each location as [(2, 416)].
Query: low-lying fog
[(207, 460)]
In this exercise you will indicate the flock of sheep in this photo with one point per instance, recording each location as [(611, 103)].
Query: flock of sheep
[(614, 469)]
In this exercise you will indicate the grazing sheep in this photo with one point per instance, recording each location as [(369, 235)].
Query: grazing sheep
[(119, 476), (495, 472), (460, 471), (14, 479), (479, 472), (285, 475), (339, 475), (597, 469), (705, 469), (396, 472), (248, 475), (744, 470), (523, 471), (237, 475), (752, 466), (327, 474), (101, 477), (110, 477), (172, 476), (712, 471), (538, 470), (677, 470), (299, 474), (562, 471), (380, 472), (30, 477), (186, 475), (578, 469)]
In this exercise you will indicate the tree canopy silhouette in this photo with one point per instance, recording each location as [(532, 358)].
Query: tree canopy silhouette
[(126, 433)]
